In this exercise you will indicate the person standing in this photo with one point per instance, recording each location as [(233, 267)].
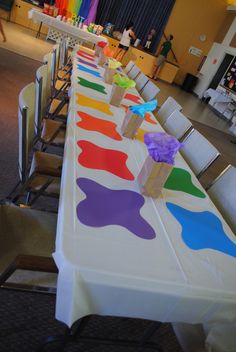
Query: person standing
[(2, 32), (124, 44), (164, 50)]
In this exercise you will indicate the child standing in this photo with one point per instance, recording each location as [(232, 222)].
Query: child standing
[(125, 41)]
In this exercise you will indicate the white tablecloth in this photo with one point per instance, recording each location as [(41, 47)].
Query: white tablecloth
[(110, 270), (66, 28)]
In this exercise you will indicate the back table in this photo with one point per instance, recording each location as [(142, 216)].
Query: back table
[(170, 259)]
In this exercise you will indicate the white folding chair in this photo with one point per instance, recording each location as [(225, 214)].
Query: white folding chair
[(177, 124), (128, 67), (42, 175), (58, 86), (55, 106), (47, 60), (48, 132), (141, 81), (150, 91), (27, 243), (64, 54), (222, 192), (198, 152), (166, 109), (133, 73)]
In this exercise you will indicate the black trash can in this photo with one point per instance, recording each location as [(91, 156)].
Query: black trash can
[(189, 83)]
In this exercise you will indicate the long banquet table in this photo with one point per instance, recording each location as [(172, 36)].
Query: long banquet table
[(65, 28), (170, 259)]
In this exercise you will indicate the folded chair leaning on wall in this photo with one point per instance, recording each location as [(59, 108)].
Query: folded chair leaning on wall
[(42, 176), (27, 242), (48, 131)]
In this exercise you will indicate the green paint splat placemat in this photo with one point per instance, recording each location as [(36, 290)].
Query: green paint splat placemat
[(181, 180), (95, 86)]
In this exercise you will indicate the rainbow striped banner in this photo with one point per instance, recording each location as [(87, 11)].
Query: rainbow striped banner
[(68, 8)]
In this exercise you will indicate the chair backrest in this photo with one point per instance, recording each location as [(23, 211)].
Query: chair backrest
[(141, 81), (177, 124), (169, 106), (26, 113), (128, 67), (55, 51), (223, 194), (41, 97), (133, 73), (64, 52), (198, 152), (150, 91), (47, 60)]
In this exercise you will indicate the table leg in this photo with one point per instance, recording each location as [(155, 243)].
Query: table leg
[(39, 30)]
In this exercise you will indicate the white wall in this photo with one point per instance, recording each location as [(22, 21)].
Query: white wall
[(214, 59)]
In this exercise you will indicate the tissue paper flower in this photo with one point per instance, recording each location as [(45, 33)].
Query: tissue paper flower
[(142, 109), (162, 147), (108, 52), (101, 44), (123, 81), (113, 64)]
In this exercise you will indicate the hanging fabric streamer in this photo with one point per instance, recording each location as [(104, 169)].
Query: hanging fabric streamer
[(62, 6), (84, 9), (92, 12), (70, 7), (77, 6)]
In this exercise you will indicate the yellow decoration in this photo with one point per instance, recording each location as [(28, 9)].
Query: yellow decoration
[(123, 81), (94, 104), (113, 64)]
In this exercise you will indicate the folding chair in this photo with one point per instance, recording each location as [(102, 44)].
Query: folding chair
[(65, 59), (48, 132), (133, 73), (129, 67), (27, 243), (141, 81), (177, 124), (57, 86), (166, 109), (198, 152), (222, 192), (150, 91), (55, 106), (42, 176)]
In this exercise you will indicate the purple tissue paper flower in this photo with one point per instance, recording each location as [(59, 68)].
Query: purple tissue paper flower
[(162, 147)]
